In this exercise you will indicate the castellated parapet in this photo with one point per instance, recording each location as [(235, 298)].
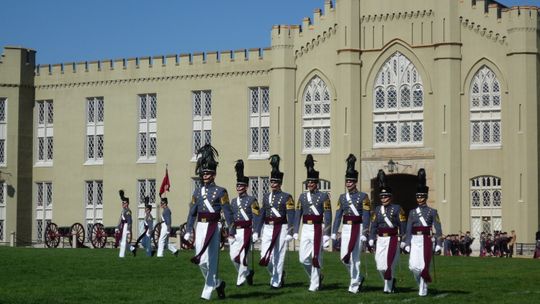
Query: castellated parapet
[(164, 67)]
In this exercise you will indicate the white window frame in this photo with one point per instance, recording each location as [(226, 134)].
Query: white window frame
[(147, 135), (259, 186), (259, 122), (44, 133), (202, 120), (3, 218), (93, 204), (485, 196), (44, 207), (485, 110), (324, 186), (398, 105), (316, 112), (3, 131), (95, 118), (146, 187)]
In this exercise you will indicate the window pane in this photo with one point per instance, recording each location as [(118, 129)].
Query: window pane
[(254, 139), (379, 99), (405, 132), (99, 146), (254, 101), (153, 106), (90, 146), (418, 132), (265, 140), (50, 112), (142, 144), (142, 107), (392, 133), (100, 110), (265, 106), (208, 103), (153, 144), (50, 148), (392, 98), (379, 133), (405, 97), (196, 141), (196, 103), (91, 110)]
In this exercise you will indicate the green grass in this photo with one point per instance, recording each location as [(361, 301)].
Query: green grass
[(99, 276)]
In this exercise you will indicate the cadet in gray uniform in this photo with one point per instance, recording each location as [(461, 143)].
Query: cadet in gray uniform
[(207, 203), (145, 237), (354, 207), (277, 214), (419, 243), (388, 223), (165, 229), (124, 224), (245, 209), (314, 210)]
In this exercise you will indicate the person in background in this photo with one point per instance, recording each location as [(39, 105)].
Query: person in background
[(124, 224)]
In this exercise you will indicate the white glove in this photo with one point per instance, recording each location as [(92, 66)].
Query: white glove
[(363, 238), (370, 243), (187, 236), (255, 237), (334, 236), (149, 234), (295, 236), (116, 230), (408, 248), (402, 245), (438, 248), (326, 241), (288, 238)]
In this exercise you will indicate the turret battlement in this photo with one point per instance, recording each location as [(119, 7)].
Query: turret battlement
[(152, 62)]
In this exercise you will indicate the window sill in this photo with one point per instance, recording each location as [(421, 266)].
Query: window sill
[(486, 147), (259, 156), (93, 163), (43, 164), (146, 161), (315, 151)]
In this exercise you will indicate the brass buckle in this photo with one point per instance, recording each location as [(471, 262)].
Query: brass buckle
[(271, 222), (310, 222), (203, 220), (385, 234)]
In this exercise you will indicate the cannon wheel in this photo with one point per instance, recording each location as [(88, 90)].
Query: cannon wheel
[(98, 237), (52, 238), (186, 244), (156, 233), (78, 230)]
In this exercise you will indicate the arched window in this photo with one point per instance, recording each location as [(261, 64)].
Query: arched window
[(485, 106), (316, 117), (398, 105)]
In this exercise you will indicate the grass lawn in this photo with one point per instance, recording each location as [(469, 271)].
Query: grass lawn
[(99, 276)]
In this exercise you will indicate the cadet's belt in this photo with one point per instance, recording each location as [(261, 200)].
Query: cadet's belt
[(275, 221), (421, 230), (207, 217), (242, 224), (352, 219), (312, 219), (387, 231)]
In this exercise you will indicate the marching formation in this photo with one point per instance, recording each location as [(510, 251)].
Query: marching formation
[(278, 220)]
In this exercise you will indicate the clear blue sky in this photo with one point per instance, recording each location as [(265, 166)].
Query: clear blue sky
[(71, 30)]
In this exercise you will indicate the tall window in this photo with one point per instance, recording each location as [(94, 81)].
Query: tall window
[(45, 144), (95, 112), (44, 207), (485, 110), (398, 104), (259, 121), (202, 119), (146, 187), (316, 117), (486, 202), (147, 127), (259, 186), (2, 211), (93, 204), (3, 130)]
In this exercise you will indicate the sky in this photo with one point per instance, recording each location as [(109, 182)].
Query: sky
[(72, 30)]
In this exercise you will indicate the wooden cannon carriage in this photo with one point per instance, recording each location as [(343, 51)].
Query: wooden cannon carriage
[(100, 233), (55, 234)]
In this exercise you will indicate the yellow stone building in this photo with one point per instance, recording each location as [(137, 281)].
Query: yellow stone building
[(449, 86)]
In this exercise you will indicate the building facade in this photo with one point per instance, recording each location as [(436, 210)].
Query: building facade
[(449, 86)]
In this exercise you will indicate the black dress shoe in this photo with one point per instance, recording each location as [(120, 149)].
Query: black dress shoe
[(176, 253), (249, 277), (221, 290), (361, 283), (282, 283), (393, 290), (321, 278)]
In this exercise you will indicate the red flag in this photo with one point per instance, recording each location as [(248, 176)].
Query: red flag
[(165, 184)]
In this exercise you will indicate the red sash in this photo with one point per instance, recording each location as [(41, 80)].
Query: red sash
[(212, 219), (317, 231), (355, 231), (246, 225), (275, 232), (428, 250)]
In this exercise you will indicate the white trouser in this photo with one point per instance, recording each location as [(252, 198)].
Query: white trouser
[(354, 264), (277, 257), (381, 257), (123, 241), (235, 247), (416, 262), (209, 259), (306, 255), (164, 241)]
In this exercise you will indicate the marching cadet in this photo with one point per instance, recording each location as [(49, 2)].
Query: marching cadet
[(165, 229), (145, 237), (388, 222), (314, 209), (418, 242), (207, 203), (124, 224), (245, 209), (354, 207), (277, 212)]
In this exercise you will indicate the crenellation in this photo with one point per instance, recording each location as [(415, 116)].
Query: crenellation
[(328, 6), (186, 59), (241, 55), (306, 23), (255, 53), (198, 58), (317, 14)]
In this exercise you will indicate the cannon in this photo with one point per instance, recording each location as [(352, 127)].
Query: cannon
[(100, 233), (185, 244), (55, 234)]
